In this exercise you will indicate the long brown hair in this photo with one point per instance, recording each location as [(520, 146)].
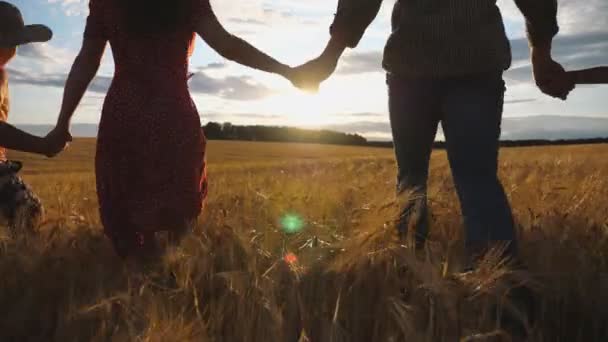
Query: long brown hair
[(155, 16)]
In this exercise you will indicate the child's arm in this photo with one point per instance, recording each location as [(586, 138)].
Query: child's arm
[(590, 76), (16, 139)]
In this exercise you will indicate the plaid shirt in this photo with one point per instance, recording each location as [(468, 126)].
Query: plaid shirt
[(442, 38)]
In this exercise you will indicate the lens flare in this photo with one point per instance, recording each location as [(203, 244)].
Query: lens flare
[(291, 258), (292, 223)]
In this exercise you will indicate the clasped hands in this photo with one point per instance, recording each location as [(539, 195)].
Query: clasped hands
[(56, 141), (309, 76)]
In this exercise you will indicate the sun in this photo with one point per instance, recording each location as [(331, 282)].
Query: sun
[(306, 109)]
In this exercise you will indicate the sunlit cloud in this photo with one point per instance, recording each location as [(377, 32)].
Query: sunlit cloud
[(72, 7)]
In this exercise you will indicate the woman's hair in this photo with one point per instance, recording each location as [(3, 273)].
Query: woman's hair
[(155, 16)]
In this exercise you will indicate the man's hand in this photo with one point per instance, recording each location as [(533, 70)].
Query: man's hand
[(56, 141), (550, 76)]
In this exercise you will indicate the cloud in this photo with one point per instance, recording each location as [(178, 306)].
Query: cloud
[(213, 66), (519, 101), (364, 115), (72, 8), (247, 21), (360, 63), (226, 117), (362, 127), (262, 15), (100, 84), (581, 50), (574, 16), (45, 57), (240, 88), (529, 127), (35, 51)]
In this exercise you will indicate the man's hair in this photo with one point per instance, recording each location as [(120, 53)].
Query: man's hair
[(154, 16)]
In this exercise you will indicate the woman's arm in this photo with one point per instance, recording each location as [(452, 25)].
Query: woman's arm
[(590, 76), (82, 73), (236, 49)]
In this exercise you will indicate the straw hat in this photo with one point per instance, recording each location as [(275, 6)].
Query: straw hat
[(14, 32)]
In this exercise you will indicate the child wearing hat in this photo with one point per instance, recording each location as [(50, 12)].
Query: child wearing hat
[(20, 208), (14, 32)]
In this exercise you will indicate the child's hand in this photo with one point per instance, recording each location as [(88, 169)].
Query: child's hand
[(572, 77), (597, 75), (56, 141)]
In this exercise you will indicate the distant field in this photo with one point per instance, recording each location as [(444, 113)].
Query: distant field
[(348, 283), (79, 157)]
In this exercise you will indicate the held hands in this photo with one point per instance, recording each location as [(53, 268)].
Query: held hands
[(309, 76), (56, 141), (550, 76)]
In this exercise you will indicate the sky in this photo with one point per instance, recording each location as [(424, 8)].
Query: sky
[(294, 31)]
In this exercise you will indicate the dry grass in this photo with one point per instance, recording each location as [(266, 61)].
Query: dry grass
[(353, 280)]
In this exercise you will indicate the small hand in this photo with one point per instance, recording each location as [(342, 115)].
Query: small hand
[(550, 76), (57, 141)]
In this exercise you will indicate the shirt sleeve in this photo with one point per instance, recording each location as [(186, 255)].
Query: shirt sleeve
[(352, 19), (541, 19), (95, 26)]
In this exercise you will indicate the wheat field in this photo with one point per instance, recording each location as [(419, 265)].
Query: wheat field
[(296, 244)]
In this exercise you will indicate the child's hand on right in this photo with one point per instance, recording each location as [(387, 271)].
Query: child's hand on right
[(573, 76), (597, 75)]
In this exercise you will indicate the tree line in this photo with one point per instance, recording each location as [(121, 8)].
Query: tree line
[(513, 143), (228, 131)]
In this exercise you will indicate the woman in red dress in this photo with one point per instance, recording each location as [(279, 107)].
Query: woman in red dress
[(150, 162)]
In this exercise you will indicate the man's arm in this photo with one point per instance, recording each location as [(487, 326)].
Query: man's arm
[(352, 19), (541, 23)]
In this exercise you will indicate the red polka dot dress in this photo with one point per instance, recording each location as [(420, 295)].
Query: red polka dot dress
[(150, 161)]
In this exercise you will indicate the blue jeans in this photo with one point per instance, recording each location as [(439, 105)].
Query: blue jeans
[(470, 112)]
